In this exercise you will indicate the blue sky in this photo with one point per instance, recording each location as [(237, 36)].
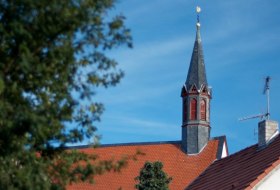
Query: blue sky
[(241, 42)]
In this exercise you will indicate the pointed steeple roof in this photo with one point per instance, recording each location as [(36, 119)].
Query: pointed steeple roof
[(197, 74)]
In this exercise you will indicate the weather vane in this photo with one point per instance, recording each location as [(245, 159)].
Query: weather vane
[(198, 10)]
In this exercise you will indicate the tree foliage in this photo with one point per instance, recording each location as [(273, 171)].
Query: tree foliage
[(152, 177), (52, 59)]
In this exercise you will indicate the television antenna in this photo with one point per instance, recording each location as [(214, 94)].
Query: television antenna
[(267, 114)]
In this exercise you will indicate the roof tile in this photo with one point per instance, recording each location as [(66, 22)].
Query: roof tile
[(242, 170), (181, 167)]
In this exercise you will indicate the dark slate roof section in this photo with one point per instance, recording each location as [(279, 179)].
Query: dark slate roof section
[(197, 74), (242, 170), (222, 140)]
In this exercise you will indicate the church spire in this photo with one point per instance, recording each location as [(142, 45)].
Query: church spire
[(197, 74), (196, 98)]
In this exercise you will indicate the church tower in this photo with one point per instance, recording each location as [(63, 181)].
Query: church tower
[(196, 96)]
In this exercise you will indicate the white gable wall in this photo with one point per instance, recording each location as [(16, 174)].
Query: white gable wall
[(224, 153), (271, 181)]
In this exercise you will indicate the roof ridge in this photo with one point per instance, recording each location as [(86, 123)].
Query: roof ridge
[(134, 143), (239, 152), (256, 144), (123, 144)]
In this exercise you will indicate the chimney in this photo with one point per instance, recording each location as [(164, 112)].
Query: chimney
[(268, 129)]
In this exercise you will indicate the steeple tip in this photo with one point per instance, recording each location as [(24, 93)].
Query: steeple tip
[(197, 75), (198, 10)]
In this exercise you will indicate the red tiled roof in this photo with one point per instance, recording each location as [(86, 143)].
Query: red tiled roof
[(242, 170), (181, 167)]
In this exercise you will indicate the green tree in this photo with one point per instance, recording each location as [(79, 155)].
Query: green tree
[(152, 177), (52, 60)]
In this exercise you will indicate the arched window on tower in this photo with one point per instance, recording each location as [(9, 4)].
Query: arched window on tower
[(193, 109), (203, 110), (185, 110)]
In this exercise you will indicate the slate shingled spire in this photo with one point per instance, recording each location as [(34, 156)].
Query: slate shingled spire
[(196, 97), (197, 74)]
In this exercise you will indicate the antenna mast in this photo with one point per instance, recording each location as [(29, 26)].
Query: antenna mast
[(265, 91)]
